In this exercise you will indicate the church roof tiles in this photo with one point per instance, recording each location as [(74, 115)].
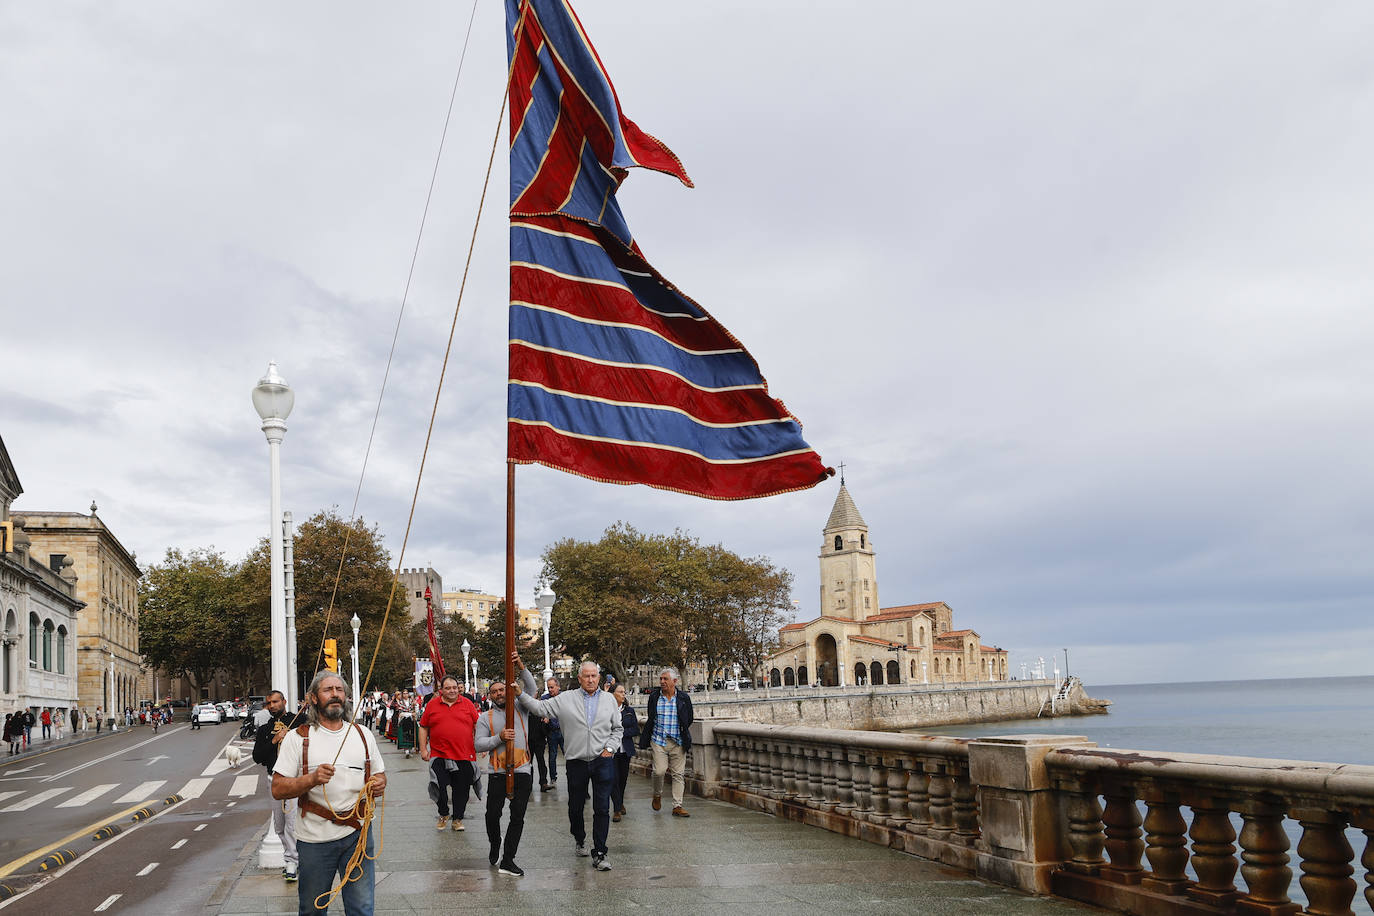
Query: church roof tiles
[(845, 514)]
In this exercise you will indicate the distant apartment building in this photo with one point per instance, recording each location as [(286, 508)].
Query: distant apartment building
[(475, 606)]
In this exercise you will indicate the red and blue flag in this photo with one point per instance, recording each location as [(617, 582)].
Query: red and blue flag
[(615, 374)]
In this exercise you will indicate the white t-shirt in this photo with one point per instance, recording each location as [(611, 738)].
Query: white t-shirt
[(342, 789)]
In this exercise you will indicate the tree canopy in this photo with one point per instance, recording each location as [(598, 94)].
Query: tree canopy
[(634, 599)]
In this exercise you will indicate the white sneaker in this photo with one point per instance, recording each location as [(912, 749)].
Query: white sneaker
[(600, 863), (582, 850)]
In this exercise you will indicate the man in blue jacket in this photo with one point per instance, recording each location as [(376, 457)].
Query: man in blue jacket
[(668, 730)]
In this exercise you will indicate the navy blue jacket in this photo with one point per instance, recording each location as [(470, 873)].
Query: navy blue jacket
[(684, 718), (629, 720)]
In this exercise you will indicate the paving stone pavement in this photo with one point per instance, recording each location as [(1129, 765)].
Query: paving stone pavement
[(723, 859)]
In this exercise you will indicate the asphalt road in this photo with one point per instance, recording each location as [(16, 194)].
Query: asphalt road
[(58, 799)]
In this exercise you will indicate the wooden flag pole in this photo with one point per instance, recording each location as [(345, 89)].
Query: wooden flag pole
[(510, 626)]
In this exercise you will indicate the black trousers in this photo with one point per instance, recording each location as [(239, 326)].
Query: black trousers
[(622, 776), (459, 781), (598, 774), (538, 741), (496, 800)]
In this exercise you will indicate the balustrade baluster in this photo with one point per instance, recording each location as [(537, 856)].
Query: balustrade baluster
[(877, 781), (898, 772), (1325, 856), (1166, 846), (727, 761), (1367, 860), (844, 784), (1214, 853), (941, 804), (965, 805), (863, 789), (809, 781), (830, 792), (1121, 820), (750, 776), (1264, 850), (769, 777), (1085, 830), (787, 758), (918, 798)]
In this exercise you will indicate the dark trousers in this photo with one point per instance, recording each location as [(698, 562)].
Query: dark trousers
[(537, 744), (496, 800), (599, 772), (555, 742), (458, 781), (622, 776)]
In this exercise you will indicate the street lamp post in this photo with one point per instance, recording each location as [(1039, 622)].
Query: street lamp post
[(1066, 663), (273, 400), (356, 687), (466, 647), (474, 674), (544, 601)]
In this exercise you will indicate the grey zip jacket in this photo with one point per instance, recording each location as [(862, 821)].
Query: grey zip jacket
[(487, 736), (579, 741)]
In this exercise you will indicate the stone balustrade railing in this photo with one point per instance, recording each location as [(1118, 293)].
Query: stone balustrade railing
[(1132, 831)]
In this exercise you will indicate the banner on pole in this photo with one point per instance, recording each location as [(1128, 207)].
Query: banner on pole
[(424, 676)]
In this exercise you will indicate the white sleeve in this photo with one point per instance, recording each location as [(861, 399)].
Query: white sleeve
[(289, 755)]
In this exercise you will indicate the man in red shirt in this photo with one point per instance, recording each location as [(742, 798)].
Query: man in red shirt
[(446, 742)]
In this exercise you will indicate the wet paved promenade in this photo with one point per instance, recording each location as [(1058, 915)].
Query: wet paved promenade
[(722, 859)]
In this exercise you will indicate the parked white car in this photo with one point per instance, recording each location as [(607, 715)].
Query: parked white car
[(208, 713)]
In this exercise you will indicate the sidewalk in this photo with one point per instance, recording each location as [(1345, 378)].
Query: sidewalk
[(722, 858)]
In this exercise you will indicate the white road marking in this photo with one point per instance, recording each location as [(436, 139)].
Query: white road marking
[(200, 827), (216, 814), (195, 788), (38, 799), (106, 905), (179, 843), (5, 795), (91, 763), (142, 793), (155, 760), (25, 769), (90, 795), (147, 869), (218, 765)]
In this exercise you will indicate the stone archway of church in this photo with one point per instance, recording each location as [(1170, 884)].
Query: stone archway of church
[(789, 677), (894, 672), (775, 678), (875, 674), (801, 677), (827, 661), (860, 674)]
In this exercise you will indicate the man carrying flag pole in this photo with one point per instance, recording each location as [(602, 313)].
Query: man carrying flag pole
[(615, 374)]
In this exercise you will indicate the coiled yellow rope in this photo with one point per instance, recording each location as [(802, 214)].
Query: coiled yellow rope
[(365, 806)]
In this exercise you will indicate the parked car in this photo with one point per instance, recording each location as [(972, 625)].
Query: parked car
[(226, 711), (208, 713), (240, 710)]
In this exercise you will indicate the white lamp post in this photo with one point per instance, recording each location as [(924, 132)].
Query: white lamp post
[(474, 674), (544, 601), (466, 647), (273, 400), (356, 687)]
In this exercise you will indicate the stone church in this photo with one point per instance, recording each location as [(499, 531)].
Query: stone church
[(857, 642)]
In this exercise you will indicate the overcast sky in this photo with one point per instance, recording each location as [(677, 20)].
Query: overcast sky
[(1078, 292)]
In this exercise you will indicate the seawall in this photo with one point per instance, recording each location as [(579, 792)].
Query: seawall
[(898, 707)]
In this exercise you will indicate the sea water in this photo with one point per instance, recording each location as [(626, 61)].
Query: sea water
[(1326, 719)]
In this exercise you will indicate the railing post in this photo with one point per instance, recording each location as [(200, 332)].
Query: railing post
[(877, 782), (1214, 852), (1018, 813), (1326, 857), (918, 797), (941, 803), (863, 789), (1086, 839), (706, 757), (965, 804), (897, 815), (844, 783), (1264, 850), (1121, 820)]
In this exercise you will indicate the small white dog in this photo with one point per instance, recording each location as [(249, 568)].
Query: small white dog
[(233, 755)]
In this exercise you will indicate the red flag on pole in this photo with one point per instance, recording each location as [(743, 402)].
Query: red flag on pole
[(433, 637)]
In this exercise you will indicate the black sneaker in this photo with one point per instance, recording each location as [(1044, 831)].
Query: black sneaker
[(510, 868), (495, 854), (600, 863)]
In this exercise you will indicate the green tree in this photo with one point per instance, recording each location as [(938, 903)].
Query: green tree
[(331, 585), (489, 643), (194, 622), (451, 630)]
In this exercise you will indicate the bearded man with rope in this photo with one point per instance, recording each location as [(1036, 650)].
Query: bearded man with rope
[(334, 768)]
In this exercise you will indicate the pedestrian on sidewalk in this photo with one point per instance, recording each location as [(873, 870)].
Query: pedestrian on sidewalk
[(553, 731), (266, 745), (13, 732), (629, 723), (29, 722), (346, 759), (99, 718), (46, 718), (667, 730), (492, 735), (57, 721), (446, 731), (591, 727)]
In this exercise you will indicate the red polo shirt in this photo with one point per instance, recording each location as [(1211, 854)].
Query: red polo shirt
[(450, 728)]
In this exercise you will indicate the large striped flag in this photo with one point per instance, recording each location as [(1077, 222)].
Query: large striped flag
[(614, 373)]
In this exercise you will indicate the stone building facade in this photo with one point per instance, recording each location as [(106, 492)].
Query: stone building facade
[(39, 610), (856, 641), (413, 584), (108, 662)]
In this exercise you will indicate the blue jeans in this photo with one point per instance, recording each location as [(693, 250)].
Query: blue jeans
[(600, 772), (555, 742), (323, 864)]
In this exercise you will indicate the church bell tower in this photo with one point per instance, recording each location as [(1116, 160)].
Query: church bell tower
[(849, 580)]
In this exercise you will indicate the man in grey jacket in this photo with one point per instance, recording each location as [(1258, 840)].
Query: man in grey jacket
[(591, 735), (491, 734)]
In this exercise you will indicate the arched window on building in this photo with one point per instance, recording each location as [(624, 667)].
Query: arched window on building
[(860, 674), (775, 678), (861, 542), (894, 672), (789, 677), (61, 650), (839, 542), (33, 639), (801, 677), (47, 645)]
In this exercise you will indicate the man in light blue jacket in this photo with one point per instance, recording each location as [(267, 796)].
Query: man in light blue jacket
[(592, 732)]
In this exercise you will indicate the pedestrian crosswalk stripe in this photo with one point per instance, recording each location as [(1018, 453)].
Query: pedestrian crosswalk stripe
[(218, 765), (88, 796), (244, 786), (142, 793), (5, 795), (195, 788), (35, 800)]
